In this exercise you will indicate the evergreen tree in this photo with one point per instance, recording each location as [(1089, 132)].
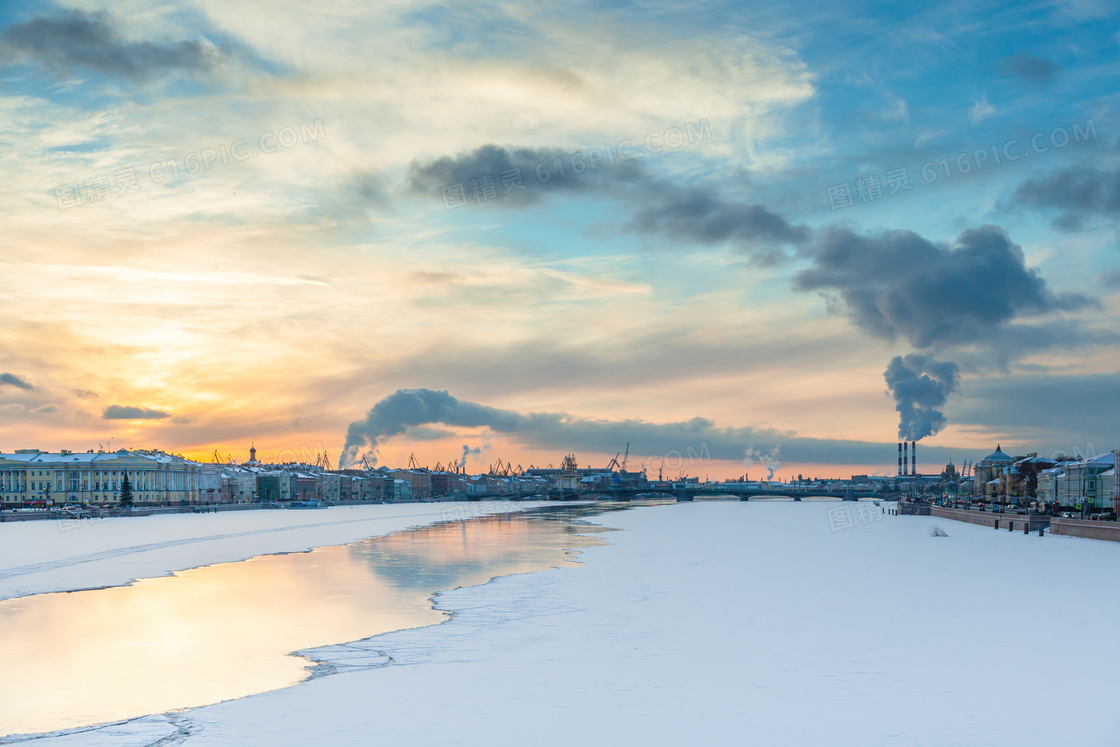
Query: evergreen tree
[(126, 493)]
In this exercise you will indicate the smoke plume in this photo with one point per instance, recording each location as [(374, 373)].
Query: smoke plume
[(405, 409), (751, 456), (919, 385), (467, 451)]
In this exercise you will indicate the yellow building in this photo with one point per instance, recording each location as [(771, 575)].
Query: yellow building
[(30, 476)]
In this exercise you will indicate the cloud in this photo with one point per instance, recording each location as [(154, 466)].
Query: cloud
[(86, 394), (981, 110), (1029, 68), (1076, 193), (699, 214), (428, 177), (899, 284), (1047, 411), (10, 379), (919, 385), (407, 408), (76, 39), (689, 213), (127, 412)]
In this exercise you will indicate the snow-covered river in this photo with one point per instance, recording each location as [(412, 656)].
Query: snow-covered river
[(225, 631)]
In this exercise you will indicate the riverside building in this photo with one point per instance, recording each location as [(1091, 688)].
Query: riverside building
[(33, 477)]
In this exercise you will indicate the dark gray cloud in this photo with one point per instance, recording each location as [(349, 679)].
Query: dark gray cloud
[(73, 38), (658, 207), (898, 284), (429, 177), (1029, 68), (1074, 194), (408, 408), (129, 412), (10, 379), (920, 385), (699, 214), (1045, 412)]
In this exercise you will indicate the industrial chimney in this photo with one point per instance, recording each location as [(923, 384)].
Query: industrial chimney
[(913, 458), (905, 456), (900, 458)]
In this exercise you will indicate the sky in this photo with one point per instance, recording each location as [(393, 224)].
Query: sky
[(739, 238)]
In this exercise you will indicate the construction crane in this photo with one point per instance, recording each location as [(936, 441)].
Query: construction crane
[(365, 463), (501, 469), (412, 463), (621, 465)]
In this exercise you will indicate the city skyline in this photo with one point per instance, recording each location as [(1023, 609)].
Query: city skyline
[(561, 229)]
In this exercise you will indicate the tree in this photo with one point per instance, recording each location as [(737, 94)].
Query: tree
[(126, 493)]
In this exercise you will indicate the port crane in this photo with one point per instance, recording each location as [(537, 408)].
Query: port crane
[(621, 465)]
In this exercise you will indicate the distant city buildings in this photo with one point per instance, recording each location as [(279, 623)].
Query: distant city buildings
[(34, 478)]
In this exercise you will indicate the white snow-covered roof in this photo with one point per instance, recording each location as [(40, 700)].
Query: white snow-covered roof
[(1098, 461), (997, 456), (44, 457), (1035, 460)]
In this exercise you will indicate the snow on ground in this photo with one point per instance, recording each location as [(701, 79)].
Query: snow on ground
[(64, 555), (735, 623)]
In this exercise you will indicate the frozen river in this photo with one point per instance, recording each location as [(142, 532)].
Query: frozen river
[(225, 631), (768, 622)]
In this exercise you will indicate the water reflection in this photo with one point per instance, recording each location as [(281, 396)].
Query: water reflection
[(225, 631)]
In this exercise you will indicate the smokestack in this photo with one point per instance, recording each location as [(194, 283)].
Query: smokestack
[(905, 456), (900, 458), (913, 457)]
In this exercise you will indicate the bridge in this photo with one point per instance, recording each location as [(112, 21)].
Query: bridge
[(682, 492)]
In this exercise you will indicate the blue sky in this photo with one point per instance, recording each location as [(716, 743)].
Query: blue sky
[(280, 296)]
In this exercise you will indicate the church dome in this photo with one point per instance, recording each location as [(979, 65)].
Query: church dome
[(997, 456)]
